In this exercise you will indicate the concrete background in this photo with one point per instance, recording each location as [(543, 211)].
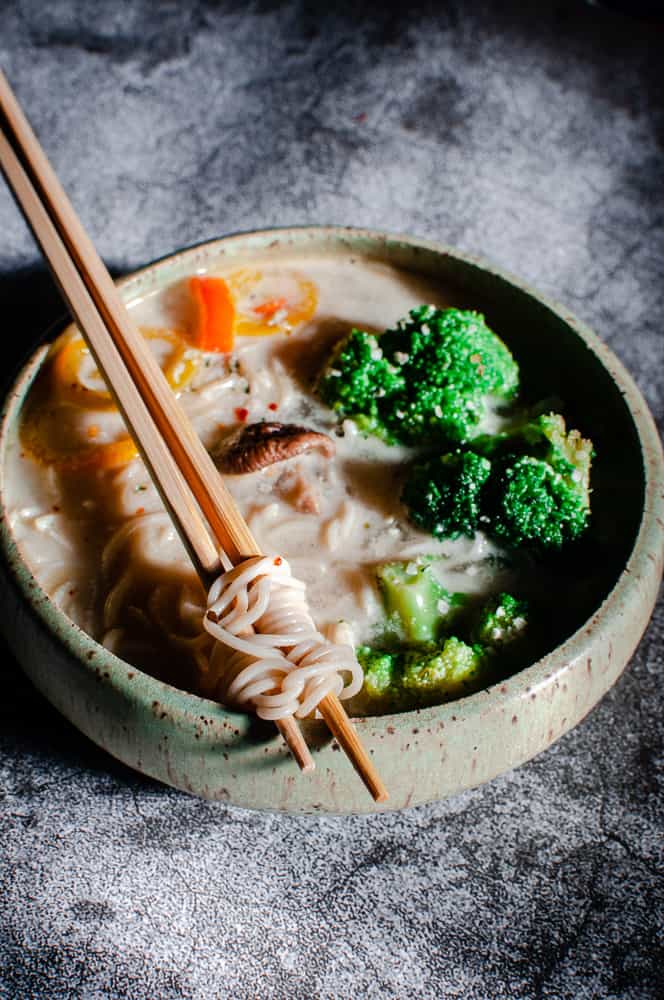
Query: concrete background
[(534, 139)]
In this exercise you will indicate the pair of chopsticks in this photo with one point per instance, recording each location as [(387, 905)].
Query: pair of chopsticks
[(193, 492)]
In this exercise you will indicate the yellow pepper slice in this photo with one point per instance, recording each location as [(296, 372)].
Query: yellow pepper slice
[(35, 439), (71, 352)]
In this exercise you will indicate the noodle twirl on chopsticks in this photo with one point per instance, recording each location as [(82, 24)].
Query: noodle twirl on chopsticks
[(268, 653)]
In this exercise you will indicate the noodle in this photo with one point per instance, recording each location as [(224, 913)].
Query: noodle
[(100, 542), (338, 529), (269, 654)]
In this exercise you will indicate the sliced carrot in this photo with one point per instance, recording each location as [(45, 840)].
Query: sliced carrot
[(215, 314)]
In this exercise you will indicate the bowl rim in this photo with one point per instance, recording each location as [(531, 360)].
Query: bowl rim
[(648, 548)]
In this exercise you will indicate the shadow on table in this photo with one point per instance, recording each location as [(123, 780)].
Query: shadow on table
[(30, 306)]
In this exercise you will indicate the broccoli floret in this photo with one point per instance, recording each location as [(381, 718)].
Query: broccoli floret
[(443, 495), (544, 437), (415, 602), (451, 671), (536, 506), (539, 495), (428, 379), (356, 378), (502, 621), (381, 677), (416, 674), (529, 486), (452, 365), (414, 677)]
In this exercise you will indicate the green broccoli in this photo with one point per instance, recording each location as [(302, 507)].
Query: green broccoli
[(443, 495), (428, 379), (356, 378), (528, 487), (502, 620), (536, 507), (452, 365), (544, 437), (539, 494), (449, 672), (411, 675), (411, 678), (381, 672), (417, 605)]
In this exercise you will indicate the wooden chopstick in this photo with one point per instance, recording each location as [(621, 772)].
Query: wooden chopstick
[(184, 473), (173, 488), (166, 475)]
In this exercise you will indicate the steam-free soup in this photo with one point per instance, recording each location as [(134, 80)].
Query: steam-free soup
[(92, 527)]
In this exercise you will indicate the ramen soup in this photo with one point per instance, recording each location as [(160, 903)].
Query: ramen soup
[(93, 529)]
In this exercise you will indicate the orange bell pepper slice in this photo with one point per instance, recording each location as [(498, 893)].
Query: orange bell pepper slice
[(215, 314), (263, 319)]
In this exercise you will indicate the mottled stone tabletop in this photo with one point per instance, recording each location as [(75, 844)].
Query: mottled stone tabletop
[(534, 139)]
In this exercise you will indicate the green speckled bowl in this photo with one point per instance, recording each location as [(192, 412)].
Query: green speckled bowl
[(201, 747)]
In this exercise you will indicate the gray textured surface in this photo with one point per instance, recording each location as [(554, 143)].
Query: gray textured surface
[(535, 140)]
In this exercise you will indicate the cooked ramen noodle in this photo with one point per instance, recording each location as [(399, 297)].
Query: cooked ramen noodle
[(280, 664), (93, 529)]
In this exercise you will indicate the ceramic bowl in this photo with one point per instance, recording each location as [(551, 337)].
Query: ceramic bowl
[(199, 746)]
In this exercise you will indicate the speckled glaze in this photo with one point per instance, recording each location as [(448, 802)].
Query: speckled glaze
[(198, 746)]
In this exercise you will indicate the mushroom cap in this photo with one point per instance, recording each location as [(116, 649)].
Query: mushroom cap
[(259, 445)]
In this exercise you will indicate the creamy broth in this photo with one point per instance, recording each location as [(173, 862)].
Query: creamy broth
[(99, 542)]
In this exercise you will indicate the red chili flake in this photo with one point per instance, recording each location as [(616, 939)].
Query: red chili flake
[(140, 510), (278, 561), (270, 307), (241, 413), (272, 406)]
